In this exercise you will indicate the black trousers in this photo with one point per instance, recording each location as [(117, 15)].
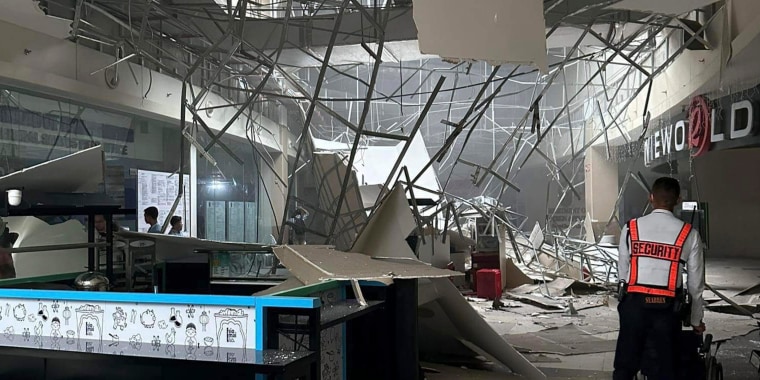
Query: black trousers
[(645, 327)]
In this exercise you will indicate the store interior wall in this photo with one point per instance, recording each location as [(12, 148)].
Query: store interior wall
[(732, 197)]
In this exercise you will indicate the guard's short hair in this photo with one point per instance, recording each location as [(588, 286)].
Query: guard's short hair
[(175, 219), (152, 212), (666, 191)]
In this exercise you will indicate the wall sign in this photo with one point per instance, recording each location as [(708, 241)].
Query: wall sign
[(202, 332), (731, 124), (160, 189)]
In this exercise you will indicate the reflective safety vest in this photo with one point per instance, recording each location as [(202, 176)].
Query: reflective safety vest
[(668, 253)]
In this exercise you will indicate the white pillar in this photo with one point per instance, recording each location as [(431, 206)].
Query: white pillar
[(601, 187), (193, 219)]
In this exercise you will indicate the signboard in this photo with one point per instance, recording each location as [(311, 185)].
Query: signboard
[(160, 189), (733, 124), (131, 328), (34, 133)]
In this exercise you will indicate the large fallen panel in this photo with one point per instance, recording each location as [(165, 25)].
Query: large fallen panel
[(34, 232), (313, 264), (434, 251), (385, 237), (496, 31), (330, 170), (386, 232), (565, 340), (475, 330), (170, 247), (80, 172), (670, 7), (376, 162)]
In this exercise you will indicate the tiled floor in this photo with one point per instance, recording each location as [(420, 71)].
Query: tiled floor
[(728, 276)]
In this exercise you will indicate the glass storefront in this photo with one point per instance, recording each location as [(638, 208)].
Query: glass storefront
[(35, 129)]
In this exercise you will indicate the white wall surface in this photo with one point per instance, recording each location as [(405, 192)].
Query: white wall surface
[(733, 198), (54, 66)]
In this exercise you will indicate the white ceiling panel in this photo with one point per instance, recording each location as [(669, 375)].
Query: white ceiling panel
[(669, 7), (496, 31)]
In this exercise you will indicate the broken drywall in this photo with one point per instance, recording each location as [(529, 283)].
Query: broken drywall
[(496, 31), (313, 264), (80, 172), (330, 171), (386, 232)]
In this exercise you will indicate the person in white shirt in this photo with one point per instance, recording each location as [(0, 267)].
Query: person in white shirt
[(176, 222), (151, 218), (653, 254)]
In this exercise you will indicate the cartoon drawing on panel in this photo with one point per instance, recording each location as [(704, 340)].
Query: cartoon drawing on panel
[(7, 310), (42, 312), (231, 328), (135, 342), (114, 340), (190, 312), (55, 325), (38, 334), (19, 312), (148, 319), (70, 335), (171, 337), (66, 315), (171, 351), (190, 333), (90, 323), (176, 318), (208, 350), (133, 317), (9, 333), (204, 319), (119, 319), (1, 313), (162, 325), (55, 344), (32, 318), (55, 306), (156, 343), (26, 334)]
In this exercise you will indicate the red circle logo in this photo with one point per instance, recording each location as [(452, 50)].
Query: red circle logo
[(699, 126)]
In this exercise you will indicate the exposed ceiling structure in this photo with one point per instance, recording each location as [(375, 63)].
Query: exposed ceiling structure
[(350, 72)]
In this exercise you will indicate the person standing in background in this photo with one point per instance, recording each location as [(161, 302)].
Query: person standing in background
[(151, 218), (176, 222)]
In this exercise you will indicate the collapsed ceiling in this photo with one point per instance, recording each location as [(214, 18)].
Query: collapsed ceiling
[(350, 72)]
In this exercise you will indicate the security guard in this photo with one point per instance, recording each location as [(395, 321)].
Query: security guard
[(653, 252)]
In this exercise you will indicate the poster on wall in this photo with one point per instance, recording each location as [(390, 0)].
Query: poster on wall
[(236, 212), (216, 220), (160, 189), (251, 223)]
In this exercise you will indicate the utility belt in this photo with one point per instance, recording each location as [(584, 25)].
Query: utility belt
[(680, 304)]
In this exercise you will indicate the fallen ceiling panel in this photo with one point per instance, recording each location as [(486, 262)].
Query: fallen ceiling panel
[(330, 171), (496, 31), (670, 7), (388, 228), (80, 172), (377, 163), (313, 264)]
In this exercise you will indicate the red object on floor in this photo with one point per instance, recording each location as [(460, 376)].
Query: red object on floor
[(489, 284)]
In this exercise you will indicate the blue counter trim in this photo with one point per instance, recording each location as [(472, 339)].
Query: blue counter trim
[(289, 302), (160, 298)]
